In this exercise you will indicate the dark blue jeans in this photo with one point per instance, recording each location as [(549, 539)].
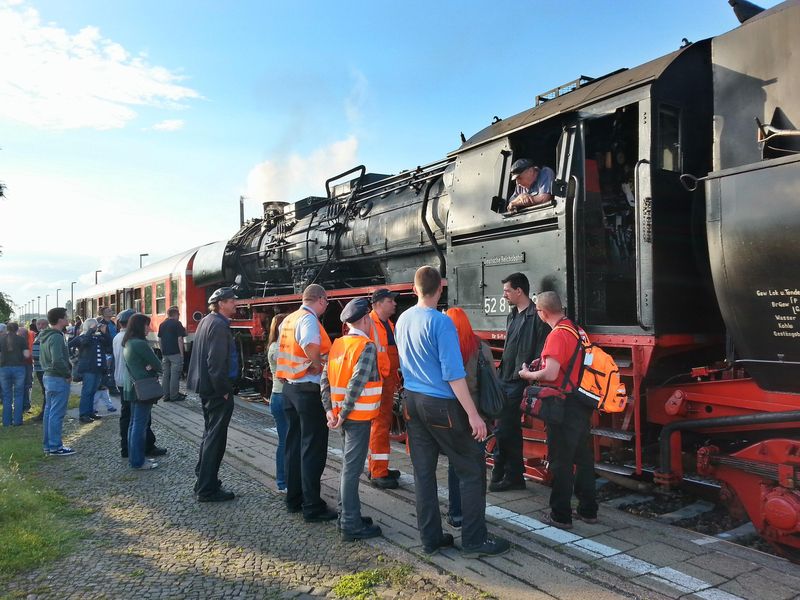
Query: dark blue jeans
[(91, 383), (281, 424), (12, 382), (55, 407), (26, 401), (137, 432)]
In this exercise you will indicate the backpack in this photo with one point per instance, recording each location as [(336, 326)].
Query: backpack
[(492, 397), (599, 384)]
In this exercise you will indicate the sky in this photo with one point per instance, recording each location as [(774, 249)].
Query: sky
[(133, 127)]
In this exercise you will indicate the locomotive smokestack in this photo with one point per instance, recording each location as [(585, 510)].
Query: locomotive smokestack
[(744, 10), (241, 211)]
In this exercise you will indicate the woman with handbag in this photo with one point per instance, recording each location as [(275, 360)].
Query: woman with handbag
[(471, 348), (141, 387)]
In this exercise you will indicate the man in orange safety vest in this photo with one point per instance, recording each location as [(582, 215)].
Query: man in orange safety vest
[(303, 347), (351, 395), (383, 307)]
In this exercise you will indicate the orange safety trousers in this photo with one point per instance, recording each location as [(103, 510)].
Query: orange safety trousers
[(379, 445)]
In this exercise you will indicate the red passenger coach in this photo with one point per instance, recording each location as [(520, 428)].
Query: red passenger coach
[(151, 290)]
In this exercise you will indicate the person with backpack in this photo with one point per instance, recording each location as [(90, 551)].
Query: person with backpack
[(471, 346), (567, 436)]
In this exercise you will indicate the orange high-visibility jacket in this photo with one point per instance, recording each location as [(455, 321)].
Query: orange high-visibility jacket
[(381, 339), (292, 360), (342, 361)]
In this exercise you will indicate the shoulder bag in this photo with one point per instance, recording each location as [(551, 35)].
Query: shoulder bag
[(148, 389)]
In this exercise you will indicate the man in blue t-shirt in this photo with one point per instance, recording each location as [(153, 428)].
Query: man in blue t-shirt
[(442, 419), (534, 185)]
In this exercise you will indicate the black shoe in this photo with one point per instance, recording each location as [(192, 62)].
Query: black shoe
[(179, 398), (394, 474), (491, 547), (366, 532), (445, 542), (156, 451), (364, 521), (325, 514), (221, 495), (123, 453), (95, 417), (86, 419), (385, 483), (294, 509), (454, 521), (506, 486)]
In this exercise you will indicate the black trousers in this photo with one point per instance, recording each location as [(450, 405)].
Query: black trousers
[(438, 426), (124, 423), (306, 446), (568, 446), (508, 433), (217, 414), (40, 377)]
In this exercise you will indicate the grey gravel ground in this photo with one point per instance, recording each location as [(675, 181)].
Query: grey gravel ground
[(147, 538)]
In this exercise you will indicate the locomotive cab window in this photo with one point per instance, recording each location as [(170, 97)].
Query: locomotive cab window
[(532, 189)]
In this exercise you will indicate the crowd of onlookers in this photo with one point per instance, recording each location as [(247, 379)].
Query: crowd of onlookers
[(347, 385)]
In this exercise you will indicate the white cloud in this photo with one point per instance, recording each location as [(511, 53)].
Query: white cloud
[(54, 79), (298, 176), (169, 125)]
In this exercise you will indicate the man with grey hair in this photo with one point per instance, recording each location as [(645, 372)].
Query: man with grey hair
[(568, 449), (302, 351)]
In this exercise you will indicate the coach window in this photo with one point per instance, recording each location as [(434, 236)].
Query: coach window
[(669, 138), (148, 300), (161, 298), (173, 292)]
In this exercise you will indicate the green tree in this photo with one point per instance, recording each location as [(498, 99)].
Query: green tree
[(5, 308)]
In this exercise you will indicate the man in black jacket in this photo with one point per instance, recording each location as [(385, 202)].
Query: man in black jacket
[(525, 336), (212, 371)]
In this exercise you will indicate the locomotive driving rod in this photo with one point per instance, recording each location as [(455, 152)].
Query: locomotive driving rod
[(738, 420)]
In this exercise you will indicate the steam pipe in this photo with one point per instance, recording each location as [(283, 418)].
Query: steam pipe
[(737, 420), (429, 231)]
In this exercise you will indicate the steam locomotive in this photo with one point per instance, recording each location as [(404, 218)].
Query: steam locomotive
[(694, 289)]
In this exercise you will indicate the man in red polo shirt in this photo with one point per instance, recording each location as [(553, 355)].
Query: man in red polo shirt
[(568, 441)]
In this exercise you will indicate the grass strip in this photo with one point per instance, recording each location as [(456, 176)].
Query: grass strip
[(37, 522)]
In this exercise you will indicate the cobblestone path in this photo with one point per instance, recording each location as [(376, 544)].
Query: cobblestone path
[(148, 539)]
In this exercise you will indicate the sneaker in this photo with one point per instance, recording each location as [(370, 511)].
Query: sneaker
[(281, 490), (364, 521), (366, 532), (580, 517), (147, 466), (111, 409), (86, 419), (385, 483), (504, 485), (445, 542), (61, 452), (95, 417), (156, 451), (491, 547), (550, 520)]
